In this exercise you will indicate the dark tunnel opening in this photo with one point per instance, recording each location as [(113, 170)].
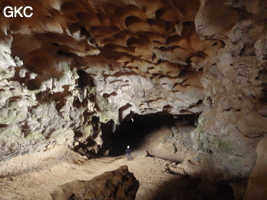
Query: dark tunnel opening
[(133, 132)]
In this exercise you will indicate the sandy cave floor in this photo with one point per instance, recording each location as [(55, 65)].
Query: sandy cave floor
[(34, 176)]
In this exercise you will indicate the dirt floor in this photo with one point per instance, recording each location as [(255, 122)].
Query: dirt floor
[(34, 176)]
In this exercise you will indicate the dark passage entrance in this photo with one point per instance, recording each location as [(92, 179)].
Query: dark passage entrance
[(133, 132)]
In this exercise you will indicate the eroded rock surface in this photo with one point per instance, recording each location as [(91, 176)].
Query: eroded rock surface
[(75, 70), (258, 178), (172, 142), (73, 66), (233, 119), (117, 184)]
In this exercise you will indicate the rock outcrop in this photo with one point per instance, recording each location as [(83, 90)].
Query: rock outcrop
[(172, 142), (233, 120), (117, 184)]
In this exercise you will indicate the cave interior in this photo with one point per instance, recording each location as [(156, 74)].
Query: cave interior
[(177, 80)]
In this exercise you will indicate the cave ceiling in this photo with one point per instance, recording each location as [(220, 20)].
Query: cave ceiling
[(115, 41), (75, 67)]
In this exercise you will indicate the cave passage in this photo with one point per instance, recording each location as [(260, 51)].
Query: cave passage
[(134, 131)]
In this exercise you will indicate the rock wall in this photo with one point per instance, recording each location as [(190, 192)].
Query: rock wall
[(74, 70), (258, 178), (234, 118), (172, 142)]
